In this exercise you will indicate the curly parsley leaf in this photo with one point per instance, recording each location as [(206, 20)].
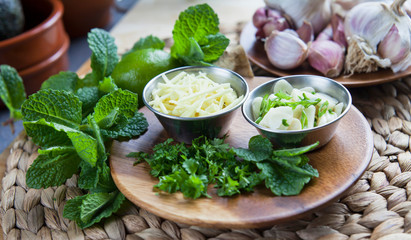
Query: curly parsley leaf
[(12, 91)]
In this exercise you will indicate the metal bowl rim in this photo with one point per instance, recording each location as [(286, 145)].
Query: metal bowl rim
[(303, 130), (238, 76)]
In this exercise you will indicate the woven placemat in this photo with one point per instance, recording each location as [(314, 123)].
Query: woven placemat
[(378, 206)]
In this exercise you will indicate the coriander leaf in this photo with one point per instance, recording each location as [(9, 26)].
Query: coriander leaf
[(147, 42), (12, 91), (66, 81), (190, 165), (172, 183), (52, 167), (107, 85), (281, 181), (227, 186), (295, 151), (124, 100), (89, 209), (104, 53), (89, 97), (97, 206), (259, 149), (54, 106), (196, 37), (85, 145)]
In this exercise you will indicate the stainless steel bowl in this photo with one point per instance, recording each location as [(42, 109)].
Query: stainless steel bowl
[(288, 138), (185, 129)]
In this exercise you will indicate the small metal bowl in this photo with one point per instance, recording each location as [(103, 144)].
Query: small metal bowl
[(296, 138), (185, 129)]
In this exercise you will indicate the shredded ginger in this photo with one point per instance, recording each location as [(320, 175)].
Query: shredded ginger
[(191, 95)]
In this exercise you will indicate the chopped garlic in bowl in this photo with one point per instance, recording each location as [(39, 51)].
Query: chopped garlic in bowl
[(193, 95)]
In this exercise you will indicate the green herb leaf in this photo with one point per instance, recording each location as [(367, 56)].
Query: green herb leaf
[(285, 123), (196, 36), (66, 81), (54, 106), (107, 85), (52, 167), (295, 151), (89, 97), (104, 53), (85, 145), (259, 149), (323, 109), (89, 209), (89, 176), (48, 134), (12, 91)]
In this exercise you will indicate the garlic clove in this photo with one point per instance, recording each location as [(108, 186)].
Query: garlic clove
[(285, 50), (260, 17), (337, 24), (326, 33), (317, 12), (306, 32), (326, 57), (279, 24), (394, 46)]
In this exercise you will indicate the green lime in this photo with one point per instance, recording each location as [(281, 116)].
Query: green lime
[(137, 68)]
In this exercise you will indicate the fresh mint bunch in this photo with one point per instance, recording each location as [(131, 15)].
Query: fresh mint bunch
[(196, 36), (73, 119)]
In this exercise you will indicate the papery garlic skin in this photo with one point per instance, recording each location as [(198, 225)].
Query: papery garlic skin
[(369, 24), (327, 57), (317, 12), (267, 20), (306, 32), (285, 50)]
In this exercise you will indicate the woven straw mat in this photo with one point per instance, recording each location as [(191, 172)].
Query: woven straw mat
[(378, 206)]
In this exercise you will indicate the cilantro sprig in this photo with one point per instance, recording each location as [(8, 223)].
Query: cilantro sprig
[(190, 169)]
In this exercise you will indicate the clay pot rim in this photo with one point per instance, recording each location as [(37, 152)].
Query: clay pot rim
[(43, 64), (55, 15)]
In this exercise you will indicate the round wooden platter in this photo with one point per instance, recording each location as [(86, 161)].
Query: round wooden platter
[(340, 164), (256, 53)]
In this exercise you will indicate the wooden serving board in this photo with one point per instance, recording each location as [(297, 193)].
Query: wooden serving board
[(340, 164)]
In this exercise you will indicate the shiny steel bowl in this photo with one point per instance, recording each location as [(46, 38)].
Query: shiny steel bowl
[(185, 129), (296, 138)]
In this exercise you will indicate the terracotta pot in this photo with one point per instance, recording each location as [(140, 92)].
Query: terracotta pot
[(82, 15), (44, 35)]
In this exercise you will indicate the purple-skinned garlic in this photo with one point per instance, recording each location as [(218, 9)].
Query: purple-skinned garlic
[(337, 24), (306, 32), (327, 57), (285, 50), (267, 20)]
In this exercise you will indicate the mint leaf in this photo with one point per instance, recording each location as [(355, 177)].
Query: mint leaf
[(52, 167), (85, 145), (12, 91), (89, 96), (214, 47), (89, 176), (147, 42), (107, 85), (196, 36), (104, 53), (105, 181), (46, 134), (66, 81), (125, 101), (89, 209), (54, 106), (99, 205)]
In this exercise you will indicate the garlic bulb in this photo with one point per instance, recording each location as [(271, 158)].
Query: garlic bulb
[(341, 7), (378, 35), (326, 57), (285, 50), (317, 12)]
